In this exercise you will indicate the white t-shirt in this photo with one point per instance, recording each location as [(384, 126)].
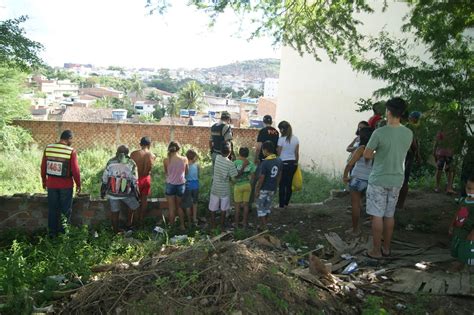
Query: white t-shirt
[(288, 148)]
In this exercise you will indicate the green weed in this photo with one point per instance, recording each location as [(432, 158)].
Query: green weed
[(292, 237), (373, 306), (267, 293)]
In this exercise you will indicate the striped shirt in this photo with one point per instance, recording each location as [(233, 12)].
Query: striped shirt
[(224, 170)]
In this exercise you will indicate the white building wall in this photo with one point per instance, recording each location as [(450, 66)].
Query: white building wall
[(270, 88), (318, 98)]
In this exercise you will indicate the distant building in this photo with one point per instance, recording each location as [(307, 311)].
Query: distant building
[(267, 106), (85, 114), (270, 88), (144, 108), (58, 89), (101, 92)]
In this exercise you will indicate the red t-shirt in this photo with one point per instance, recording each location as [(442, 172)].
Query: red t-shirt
[(62, 182), (374, 120)]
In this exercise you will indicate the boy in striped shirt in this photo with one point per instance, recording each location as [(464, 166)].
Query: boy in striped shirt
[(224, 171)]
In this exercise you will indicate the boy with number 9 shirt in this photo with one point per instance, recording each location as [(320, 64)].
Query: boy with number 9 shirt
[(268, 181)]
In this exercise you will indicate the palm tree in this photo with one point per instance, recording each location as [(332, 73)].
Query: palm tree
[(136, 86), (191, 96), (172, 108)]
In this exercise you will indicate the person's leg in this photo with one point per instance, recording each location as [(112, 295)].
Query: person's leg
[(194, 213), (237, 214), (142, 210), (282, 193), (213, 207), (388, 226), (53, 211), (450, 179), (376, 205), (180, 213), (439, 171), (403, 196), (377, 229), (356, 204), (114, 216), (245, 214), (171, 209), (132, 206), (289, 188)]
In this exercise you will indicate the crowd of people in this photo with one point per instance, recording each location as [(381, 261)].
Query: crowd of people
[(381, 158)]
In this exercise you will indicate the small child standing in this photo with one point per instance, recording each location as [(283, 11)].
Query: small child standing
[(176, 168), (242, 188), (268, 181), (191, 194), (358, 181), (224, 170), (462, 227)]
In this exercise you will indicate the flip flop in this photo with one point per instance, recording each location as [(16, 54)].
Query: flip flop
[(366, 254)]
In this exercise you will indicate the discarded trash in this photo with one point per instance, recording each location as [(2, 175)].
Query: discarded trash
[(46, 309), (303, 262), (58, 278), (409, 227), (421, 266), (400, 306), (178, 238), (380, 272), (96, 235), (347, 256), (292, 250), (351, 268), (159, 230)]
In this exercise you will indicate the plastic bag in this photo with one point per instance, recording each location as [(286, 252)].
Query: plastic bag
[(297, 183)]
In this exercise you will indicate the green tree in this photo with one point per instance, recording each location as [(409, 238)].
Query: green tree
[(191, 96), (136, 86), (172, 108), (12, 107), (155, 96), (16, 50)]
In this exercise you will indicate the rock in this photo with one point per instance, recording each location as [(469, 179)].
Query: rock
[(317, 266)]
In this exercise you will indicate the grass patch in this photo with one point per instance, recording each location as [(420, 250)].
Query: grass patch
[(293, 238), (27, 179)]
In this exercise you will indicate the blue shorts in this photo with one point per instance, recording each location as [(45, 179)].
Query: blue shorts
[(264, 203), (359, 185), (175, 190)]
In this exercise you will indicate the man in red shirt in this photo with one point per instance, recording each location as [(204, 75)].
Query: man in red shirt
[(59, 171), (378, 109)]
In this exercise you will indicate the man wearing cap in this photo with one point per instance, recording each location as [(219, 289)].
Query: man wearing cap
[(59, 171), (221, 132), (144, 159), (267, 133)]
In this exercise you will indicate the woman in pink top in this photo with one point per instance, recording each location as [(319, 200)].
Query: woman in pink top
[(176, 168)]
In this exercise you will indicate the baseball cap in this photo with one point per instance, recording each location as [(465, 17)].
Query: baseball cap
[(415, 115), (267, 119), (145, 141), (225, 115)]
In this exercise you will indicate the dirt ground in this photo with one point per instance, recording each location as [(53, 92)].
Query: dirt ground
[(240, 272), (424, 221)]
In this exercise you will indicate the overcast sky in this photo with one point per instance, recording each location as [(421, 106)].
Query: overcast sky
[(119, 32)]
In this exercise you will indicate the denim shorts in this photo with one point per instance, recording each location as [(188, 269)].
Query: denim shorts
[(264, 203), (357, 184), (175, 190)]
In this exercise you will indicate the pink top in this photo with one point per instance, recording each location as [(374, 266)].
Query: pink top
[(176, 171), (443, 148)]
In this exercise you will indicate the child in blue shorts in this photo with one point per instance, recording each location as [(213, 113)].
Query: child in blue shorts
[(268, 181), (359, 169)]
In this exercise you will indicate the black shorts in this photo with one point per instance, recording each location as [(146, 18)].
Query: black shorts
[(444, 162), (190, 197)]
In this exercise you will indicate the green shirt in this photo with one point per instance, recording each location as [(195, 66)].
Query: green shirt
[(245, 177), (390, 145), (464, 221)]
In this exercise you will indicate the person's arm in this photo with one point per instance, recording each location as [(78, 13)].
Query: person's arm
[(186, 166), (279, 148), (165, 166), (369, 154), (297, 153), (371, 147), (210, 146), (76, 173), (258, 148), (350, 165), (350, 148), (43, 171), (259, 184)]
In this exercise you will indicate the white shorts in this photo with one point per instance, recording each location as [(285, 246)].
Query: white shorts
[(219, 203)]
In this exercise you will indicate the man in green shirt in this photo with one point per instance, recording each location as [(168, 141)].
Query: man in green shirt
[(388, 147)]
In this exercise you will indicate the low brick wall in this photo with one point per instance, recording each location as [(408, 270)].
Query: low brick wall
[(88, 135), (30, 212)]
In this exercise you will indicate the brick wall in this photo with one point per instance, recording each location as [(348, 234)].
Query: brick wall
[(87, 135), (30, 212)]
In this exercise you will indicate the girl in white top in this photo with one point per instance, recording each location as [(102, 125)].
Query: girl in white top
[(288, 150)]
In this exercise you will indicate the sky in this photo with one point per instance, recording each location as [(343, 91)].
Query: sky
[(121, 33)]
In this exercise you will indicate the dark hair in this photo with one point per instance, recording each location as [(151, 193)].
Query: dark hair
[(225, 115), (267, 119), (378, 108), (173, 147), (244, 152), (365, 134), (363, 122), (122, 149), (268, 146), (470, 178), (396, 106), (286, 130), (66, 135), (145, 141), (225, 150), (191, 154)]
